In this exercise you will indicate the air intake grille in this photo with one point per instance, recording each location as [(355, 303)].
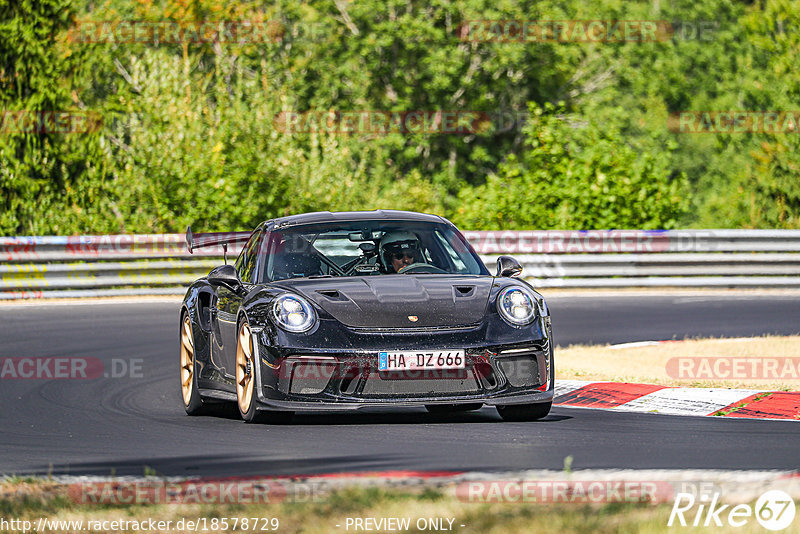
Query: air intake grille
[(378, 387)]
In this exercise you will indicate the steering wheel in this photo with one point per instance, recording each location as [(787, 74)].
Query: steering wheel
[(420, 267)]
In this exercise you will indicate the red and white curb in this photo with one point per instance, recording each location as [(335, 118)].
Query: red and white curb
[(621, 396)]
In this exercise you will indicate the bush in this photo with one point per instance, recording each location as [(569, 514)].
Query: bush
[(575, 174)]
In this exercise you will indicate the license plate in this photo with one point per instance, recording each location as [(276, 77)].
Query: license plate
[(412, 360)]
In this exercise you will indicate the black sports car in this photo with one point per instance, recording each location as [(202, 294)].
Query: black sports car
[(341, 311)]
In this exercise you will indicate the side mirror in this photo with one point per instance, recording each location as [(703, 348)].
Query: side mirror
[(508, 266), (225, 275)]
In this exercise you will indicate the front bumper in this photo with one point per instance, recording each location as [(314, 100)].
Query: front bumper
[(519, 371), (283, 405)]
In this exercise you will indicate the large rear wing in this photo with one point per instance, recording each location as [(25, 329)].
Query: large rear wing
[(211, 239)]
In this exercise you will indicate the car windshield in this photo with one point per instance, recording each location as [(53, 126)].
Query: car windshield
[(367, 248)]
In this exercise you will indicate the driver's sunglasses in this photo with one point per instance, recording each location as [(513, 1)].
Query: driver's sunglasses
[(400, 255)]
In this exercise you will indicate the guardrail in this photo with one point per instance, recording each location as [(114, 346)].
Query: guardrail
[(37, 267), (649, 258)]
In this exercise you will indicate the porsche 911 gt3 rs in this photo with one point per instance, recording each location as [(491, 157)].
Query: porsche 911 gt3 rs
[(343, 311)]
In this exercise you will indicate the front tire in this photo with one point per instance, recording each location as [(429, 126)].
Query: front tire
[(192, 402), (246, 382), (524, 412)]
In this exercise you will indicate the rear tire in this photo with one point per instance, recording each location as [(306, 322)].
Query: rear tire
[(453, 408), (524, 412), (192, 402)]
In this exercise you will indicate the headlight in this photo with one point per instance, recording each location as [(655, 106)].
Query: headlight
[(516, 306), (293, 313)]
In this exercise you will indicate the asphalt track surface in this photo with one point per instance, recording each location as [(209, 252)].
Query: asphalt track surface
[(123, 426)]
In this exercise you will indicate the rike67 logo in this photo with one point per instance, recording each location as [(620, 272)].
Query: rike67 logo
[(774, 510)]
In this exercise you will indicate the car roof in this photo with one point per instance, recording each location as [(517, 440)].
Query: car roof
[(334, 216)]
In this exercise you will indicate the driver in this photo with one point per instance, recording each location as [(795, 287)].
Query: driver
[(399, 250)]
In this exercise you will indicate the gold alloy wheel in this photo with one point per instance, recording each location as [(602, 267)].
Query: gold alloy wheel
[(187, 360), (244, 368)]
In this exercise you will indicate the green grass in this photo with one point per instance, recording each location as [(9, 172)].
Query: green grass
[(27, 499)]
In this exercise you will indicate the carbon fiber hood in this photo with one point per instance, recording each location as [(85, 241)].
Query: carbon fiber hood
[(394, 301)]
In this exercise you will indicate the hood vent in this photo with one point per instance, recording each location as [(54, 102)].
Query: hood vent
[(332, 294)]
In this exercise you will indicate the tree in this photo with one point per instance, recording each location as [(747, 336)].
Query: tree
[(575, 174), (45, 178)]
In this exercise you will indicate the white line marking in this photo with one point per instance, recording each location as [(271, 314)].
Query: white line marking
[(686, 401)]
